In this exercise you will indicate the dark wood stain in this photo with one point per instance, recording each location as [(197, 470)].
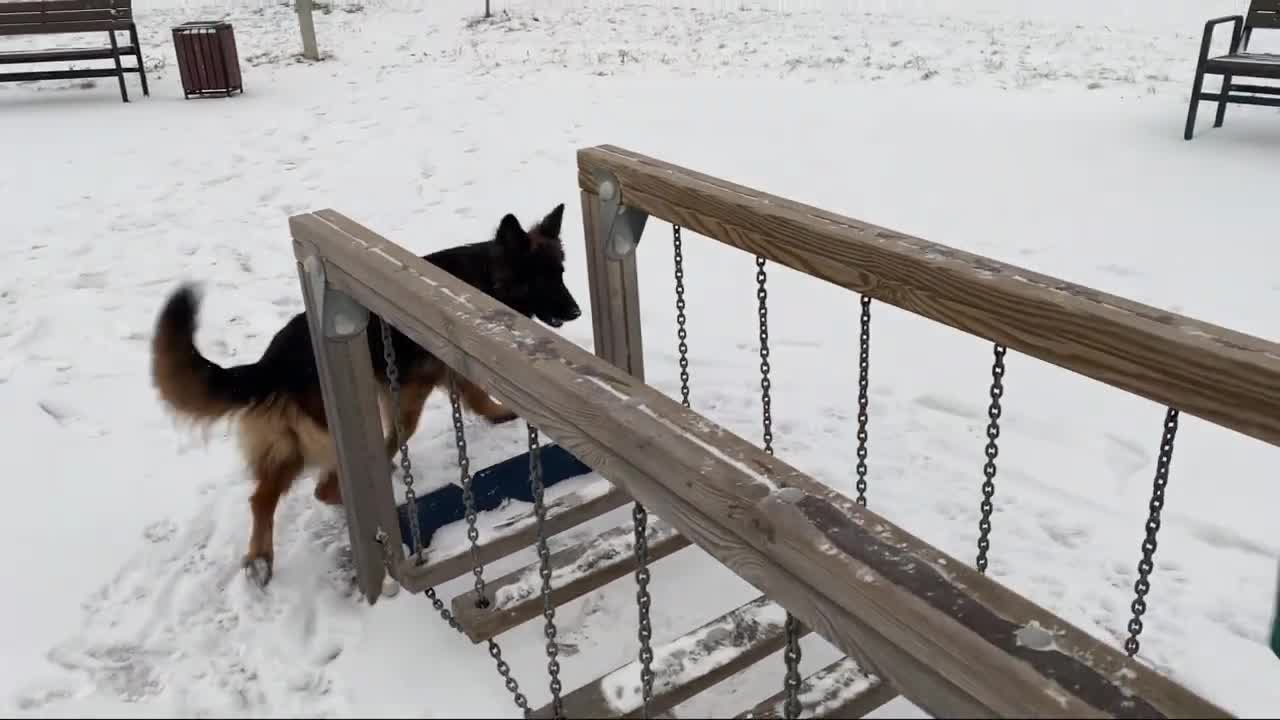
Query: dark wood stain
[(925, 582)]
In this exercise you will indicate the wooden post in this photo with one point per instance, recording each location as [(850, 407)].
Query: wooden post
[(615, 294), (338, 327), (307, 25)]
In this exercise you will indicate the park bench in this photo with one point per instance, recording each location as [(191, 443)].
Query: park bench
[(51, 17), (1238, 62)]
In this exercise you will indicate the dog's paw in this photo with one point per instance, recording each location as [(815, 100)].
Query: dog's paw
[(258, 570)]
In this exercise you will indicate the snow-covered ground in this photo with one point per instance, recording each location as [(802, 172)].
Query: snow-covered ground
[(1041, 133)]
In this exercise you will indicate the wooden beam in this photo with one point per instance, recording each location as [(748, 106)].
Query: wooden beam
[(1226, 377), (684, 666), (516, 597), (839, 690), (948, 638), (567, 511), (339, 338), (615, 295)]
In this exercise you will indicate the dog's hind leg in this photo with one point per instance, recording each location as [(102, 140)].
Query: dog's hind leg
[(482, 404), (275, 468), (413, 396)]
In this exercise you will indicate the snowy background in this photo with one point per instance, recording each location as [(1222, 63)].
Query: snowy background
[(1044, 134)]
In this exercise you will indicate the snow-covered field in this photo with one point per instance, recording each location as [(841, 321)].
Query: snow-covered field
[(1046, 134)]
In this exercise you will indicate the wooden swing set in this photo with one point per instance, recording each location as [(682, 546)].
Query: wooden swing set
[(909, 619)]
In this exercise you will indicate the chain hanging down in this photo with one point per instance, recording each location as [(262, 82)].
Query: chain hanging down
[(1146, 565), (791, 655), (544, 570), (864, 368), (992, 450), (477, 568), (680, 317), (393, 374)]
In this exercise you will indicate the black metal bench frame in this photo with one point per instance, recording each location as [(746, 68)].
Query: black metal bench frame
[(49, 17), (1238, 62)]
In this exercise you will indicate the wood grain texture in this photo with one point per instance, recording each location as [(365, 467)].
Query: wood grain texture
[(1226, 377), (839, 690), (563, 513), (938, 631), (685, 666), (351, 409), (576, 571), (615, 296)]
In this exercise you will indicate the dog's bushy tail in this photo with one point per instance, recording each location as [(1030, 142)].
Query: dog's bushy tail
[(189, 382)]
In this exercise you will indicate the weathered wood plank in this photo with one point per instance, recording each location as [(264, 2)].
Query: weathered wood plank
[(685, 666), (52, 6), (948, 638), (1215, 373), (516, 597), (20, 18), (339, 340), (615, 296), (564, 512), (41, 28), (839, 690)]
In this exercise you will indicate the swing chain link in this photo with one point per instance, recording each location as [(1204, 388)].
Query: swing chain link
[(762, 294), (544, 569), (477, 568), (681, 332), (791, 655), (406, 467), (992, 450), (640, 521), (864, 367), (468, 495), (1146, 565)]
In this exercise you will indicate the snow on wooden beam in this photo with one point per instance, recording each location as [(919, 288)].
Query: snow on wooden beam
[(685, 666), (1223, 376), (840, 690), (516, 597)]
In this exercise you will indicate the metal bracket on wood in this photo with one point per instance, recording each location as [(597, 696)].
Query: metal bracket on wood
[(341, 317), (625, 224)]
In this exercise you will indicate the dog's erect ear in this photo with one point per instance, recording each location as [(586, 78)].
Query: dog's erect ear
[(550, 225), (511, 237)]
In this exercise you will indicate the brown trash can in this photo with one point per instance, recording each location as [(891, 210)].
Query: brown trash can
[(207, 59)]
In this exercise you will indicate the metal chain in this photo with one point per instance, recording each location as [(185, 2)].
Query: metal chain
[(544, 569), (1146, 565), (864, 367), (468, 496), (640, 519), (410, 497), (791, 655), (762, 294), (477, 568), (992, 450), (393, 378), (680, 317)]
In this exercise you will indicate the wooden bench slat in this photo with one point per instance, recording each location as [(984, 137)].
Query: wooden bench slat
[(59, 54), (7, 19), (67, 27), (685, 666), (839, 690), (516, 597), (590, 500), (76, 74), (62, 5)]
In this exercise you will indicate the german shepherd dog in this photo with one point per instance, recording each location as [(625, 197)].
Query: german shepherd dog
[(277, 404)]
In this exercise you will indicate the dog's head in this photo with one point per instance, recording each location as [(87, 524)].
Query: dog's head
[(533, 266)]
